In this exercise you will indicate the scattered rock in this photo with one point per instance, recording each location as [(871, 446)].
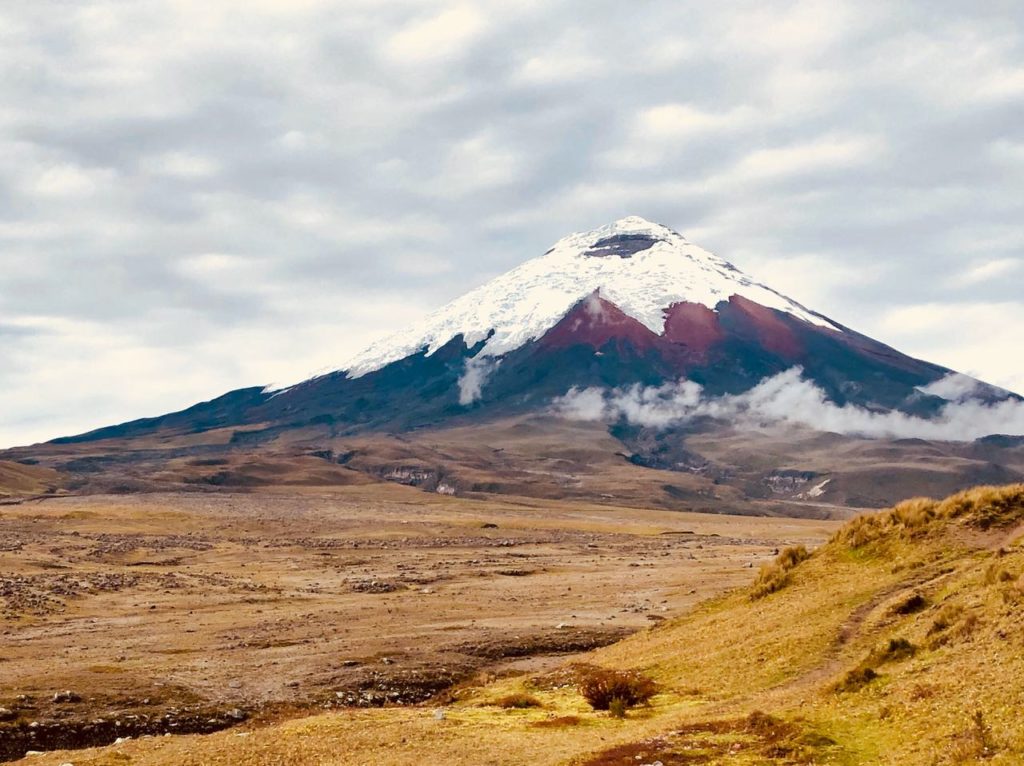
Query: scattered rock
[(66, 696), (375, 586)]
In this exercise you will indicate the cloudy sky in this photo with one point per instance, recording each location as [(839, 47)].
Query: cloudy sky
[(197, 195)]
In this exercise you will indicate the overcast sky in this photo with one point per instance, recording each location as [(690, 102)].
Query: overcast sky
[(201, 195)]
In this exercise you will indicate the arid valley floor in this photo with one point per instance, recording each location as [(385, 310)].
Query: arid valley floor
[(123, 616)]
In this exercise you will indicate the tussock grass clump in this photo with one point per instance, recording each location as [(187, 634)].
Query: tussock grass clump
[(894, 650), (981, 507), (558, 722), (947, 616), (951, 624), (995, 574), (897, 649), (912, 604), (975, 743), (518, 701), (615, 690), (775, 576), (986, 507), (856, 679)]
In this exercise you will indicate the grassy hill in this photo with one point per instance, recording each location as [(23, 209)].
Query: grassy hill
[(900, 641), (18, 480)]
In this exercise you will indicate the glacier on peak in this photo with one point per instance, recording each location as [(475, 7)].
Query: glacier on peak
[(642, 267)]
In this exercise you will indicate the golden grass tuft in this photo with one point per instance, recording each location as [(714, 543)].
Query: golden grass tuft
[(775, 576), (981, 508), (518, 701)]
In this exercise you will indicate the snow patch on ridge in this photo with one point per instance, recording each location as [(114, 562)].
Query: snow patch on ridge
[(522, 304)]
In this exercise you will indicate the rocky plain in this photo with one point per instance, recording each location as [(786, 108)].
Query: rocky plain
[(143, 615)]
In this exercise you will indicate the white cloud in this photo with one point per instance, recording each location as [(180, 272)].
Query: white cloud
[(834, 152), (787, 399), (474, 375), (976, 338), (797, 30), (987, 271), (68, 180), (564, 59), (182, 165), (446, 35), (666, 129), (672, 121), (956, 387), (1003, 151), (479, 163)]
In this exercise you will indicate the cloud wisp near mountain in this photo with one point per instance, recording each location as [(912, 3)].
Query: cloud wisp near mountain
[(789, 399)]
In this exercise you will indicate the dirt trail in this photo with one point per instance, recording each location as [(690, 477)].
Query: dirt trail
[(1009, 538), (852, 628)]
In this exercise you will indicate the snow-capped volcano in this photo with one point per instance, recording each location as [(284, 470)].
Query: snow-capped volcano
[(626, 347), (629, 306), (642, 268)]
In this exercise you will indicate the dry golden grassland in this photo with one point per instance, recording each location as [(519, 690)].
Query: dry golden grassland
[(899, 641)]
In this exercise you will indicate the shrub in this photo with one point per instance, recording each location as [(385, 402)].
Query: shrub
[(602, 688), (518, 701), (775, 576)]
